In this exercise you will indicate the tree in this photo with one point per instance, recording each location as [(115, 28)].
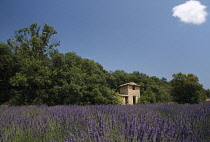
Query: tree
[(30, 82), (186, 88), (78, 81), (119, 77), (32, 41), (39, 74), (208, 93), (7, 70), (31, 47)]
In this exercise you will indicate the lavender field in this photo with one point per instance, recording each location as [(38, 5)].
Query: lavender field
[(106, 123)]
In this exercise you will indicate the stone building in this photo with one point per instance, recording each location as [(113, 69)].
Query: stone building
[(129, 93)]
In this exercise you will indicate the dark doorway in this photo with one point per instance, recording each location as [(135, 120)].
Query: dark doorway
[(134, 99), (126, 100)]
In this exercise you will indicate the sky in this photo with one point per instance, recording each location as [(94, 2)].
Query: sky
[(155, 37)]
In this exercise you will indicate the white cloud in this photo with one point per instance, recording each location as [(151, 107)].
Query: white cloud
[(191, 12)]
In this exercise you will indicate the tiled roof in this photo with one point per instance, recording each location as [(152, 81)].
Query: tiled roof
[(130, 83)]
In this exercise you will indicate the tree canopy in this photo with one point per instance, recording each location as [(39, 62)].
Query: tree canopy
[(186, 88), (34, 41), (33, 72)]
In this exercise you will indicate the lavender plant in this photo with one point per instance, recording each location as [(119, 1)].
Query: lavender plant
[(106, 123)]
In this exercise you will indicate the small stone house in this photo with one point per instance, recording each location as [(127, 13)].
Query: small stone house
[(129, 93)]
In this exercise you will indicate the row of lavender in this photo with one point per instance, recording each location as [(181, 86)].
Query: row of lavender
[(106, 123)]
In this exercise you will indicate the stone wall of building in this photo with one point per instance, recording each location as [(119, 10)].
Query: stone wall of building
[(124, 90), (130, 93)]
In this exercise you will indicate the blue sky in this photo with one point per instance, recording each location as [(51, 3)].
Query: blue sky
[(129, 35)]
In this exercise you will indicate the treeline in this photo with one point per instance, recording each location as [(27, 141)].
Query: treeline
[(153, 89), (33, 72)]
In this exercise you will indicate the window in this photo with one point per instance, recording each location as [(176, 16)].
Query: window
[(133, 87)]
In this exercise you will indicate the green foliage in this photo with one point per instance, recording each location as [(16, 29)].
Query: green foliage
[(149, 97), (34, 41), (7, 70), (207, 93), (31, 80), (153, 89), (33, 72), (186, 88)]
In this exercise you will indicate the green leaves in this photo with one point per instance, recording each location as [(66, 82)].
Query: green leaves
[(34, 41), (8, 67), (32, 72), (19, 80), (186, 88)]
